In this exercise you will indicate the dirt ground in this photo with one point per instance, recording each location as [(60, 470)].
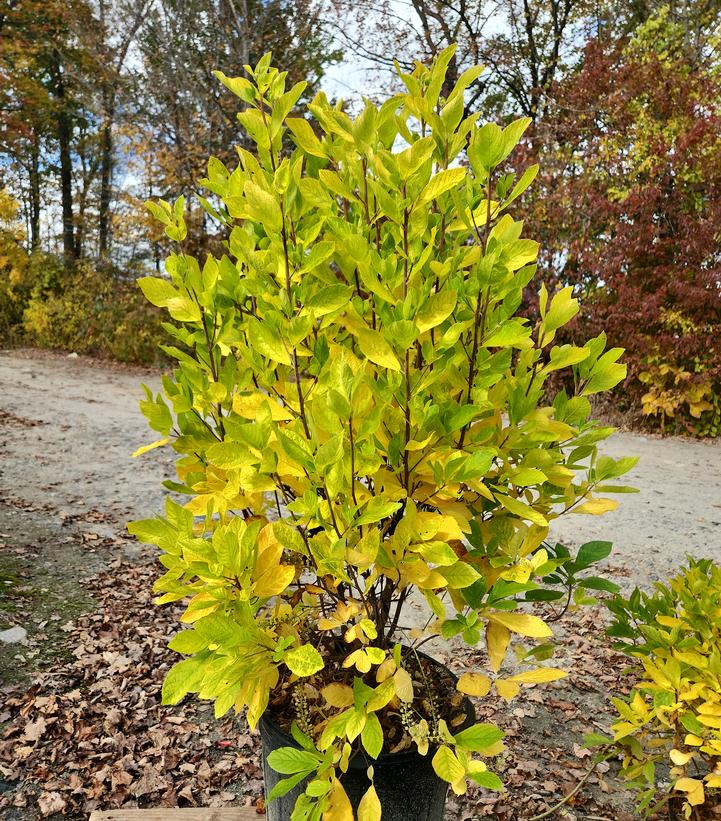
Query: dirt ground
[(68, 485)]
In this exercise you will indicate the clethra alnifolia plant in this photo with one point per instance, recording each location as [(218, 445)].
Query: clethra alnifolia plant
[(361, 418)]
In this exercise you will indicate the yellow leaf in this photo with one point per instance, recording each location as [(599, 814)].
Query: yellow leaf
[(248, 405), (369, 808), (507, 688), (145, 448), (669, 621), (339, 807), (540, 675), (596, 507), (692, 740), (693, 789), (403, 685), (523, 624), (359, 659), (386, 670), (474, 684), (273, 582), (338, 695), (680, 758), (498, 638), (459, 787)]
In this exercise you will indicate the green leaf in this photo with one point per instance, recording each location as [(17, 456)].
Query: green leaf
[(290, 760), (329, 299), (595, 740), (510, 333), (565, 355), (488, 780), (606, 373), (528, 176), (522, 510), (597, 583), (285, 785), (561, 311), (372, 736), (459, 575), (304, 660), (296, 447), (479, 737), (486, 148), (592, 552)]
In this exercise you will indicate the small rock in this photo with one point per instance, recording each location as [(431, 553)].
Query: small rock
[(72, 355), (14, 635)]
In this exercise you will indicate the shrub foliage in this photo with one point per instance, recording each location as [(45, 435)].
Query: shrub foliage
[(672, 719), (360, 416)]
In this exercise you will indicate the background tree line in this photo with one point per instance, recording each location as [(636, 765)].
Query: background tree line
[(105, 103)]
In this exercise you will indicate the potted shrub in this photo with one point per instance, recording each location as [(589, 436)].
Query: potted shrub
[(669, 727), (361, 422)]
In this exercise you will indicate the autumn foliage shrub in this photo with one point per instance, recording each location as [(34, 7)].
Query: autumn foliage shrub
[(671, 721), (15, 282), (628, 209), (95, 313), (360, 418), (43, 304)]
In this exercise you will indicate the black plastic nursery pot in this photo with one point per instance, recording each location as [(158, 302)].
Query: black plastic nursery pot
[(407, 786)]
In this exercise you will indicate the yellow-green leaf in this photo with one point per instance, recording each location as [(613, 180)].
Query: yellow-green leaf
[(267, 342), (183, 309), (375, 348), (447, 766), (372, 736), (304, 660), (157, 291), (440, 183)]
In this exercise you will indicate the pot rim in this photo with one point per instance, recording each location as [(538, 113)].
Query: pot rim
[(360, 760)]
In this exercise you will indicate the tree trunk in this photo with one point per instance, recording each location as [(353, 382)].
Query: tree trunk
[(35, 194), (64, 135), (106, 174)]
